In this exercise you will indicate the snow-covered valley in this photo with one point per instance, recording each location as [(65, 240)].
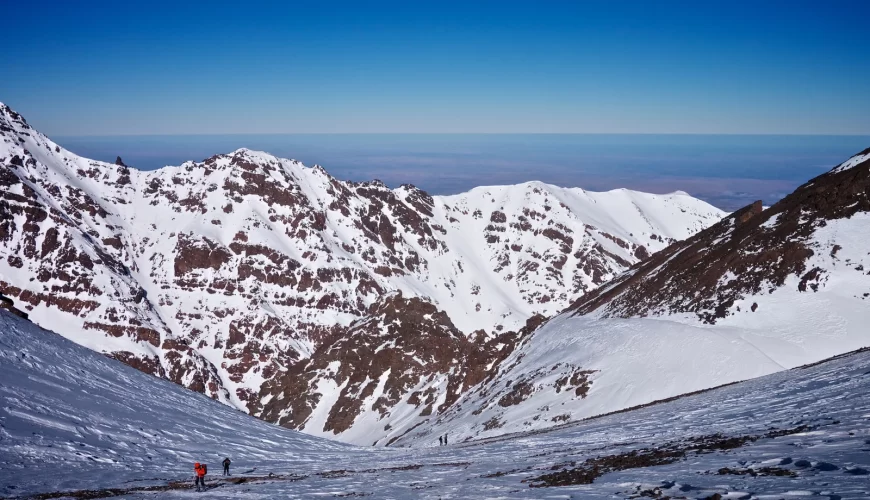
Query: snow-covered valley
[(762, 291), (74, 421), (545, 414)]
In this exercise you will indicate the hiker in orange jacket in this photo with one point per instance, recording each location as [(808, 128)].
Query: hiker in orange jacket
[(200, 470)]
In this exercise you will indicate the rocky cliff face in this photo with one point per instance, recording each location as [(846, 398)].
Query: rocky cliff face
[(260, 282)]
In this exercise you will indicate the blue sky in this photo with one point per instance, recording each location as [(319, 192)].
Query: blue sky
[(117, 68)]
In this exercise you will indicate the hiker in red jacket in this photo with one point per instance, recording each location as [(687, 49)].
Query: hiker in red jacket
[(200, 470)]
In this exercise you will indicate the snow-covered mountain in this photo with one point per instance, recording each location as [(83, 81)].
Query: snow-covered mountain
[(257, 281), (759, 292), (74, 424)]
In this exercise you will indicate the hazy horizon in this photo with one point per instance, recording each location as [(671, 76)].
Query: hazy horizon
[(728, 171)]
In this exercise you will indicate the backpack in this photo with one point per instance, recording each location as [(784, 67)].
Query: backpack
[(204, 469)]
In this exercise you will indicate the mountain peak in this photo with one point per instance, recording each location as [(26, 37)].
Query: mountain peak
[(11, 117)]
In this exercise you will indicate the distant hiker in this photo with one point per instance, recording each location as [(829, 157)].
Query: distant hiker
[(200, 470), (226, 463), (445, 439)]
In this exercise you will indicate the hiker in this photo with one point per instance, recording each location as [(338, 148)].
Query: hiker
[(200, 470), (445, 439), (226, 463), (440, 441)]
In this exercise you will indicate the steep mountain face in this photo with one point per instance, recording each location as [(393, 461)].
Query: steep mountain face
[(759, 292), (261, 282)]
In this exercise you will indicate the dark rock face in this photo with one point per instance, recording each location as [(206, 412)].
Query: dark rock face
[(150, 365), (8, 304), (750, 252)]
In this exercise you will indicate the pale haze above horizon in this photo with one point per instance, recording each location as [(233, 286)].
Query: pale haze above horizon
[(108, 68)]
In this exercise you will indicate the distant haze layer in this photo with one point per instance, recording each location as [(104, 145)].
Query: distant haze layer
[(728, 171)]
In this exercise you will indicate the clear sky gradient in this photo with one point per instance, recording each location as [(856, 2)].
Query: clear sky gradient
[(759, 67)]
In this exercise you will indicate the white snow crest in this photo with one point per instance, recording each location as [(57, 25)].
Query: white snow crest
[(852, 162)]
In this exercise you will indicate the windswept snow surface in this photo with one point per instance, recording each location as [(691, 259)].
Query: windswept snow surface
[(71, 419), (65, 407)]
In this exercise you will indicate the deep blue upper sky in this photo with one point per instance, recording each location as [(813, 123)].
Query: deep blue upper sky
[(647, 67)]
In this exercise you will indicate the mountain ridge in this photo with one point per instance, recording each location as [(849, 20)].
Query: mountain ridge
[(223, 275), (387, 316), (781, 236)]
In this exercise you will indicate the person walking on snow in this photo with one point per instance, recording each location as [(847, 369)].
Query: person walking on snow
[(200, 470), (440, 441), (445, 439), (226, 463)]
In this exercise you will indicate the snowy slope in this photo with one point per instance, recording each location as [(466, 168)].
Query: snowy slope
[(61, 403), (71, 420), (222, 275), (574, 368)]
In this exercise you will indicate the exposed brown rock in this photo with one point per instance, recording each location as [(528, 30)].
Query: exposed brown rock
[(198, 253), (138, 333), (148, 364)]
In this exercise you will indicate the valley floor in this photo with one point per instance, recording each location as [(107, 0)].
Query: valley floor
[(802, 432)]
